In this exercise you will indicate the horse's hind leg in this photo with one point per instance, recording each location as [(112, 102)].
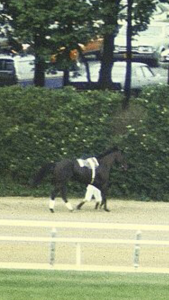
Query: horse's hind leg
[(52, 200), (64, 197)]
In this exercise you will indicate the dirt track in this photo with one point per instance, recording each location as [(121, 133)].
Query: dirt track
[(121, 212)]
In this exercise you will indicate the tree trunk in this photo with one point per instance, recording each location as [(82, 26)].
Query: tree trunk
[(39, 76), (66, 77), (105, 78), (127, 87)]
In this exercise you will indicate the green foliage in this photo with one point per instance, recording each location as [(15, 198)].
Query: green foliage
[(40, 125), (142, 14), (146, 144), (49, 26), (53, 23)]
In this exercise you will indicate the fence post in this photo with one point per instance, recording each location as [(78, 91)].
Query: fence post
[(52, 247), (137, 250)]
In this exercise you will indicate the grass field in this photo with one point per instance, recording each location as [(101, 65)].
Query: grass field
[(58, 285)]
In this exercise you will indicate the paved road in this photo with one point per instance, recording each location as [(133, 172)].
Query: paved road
[(56, 80), (162, 70)]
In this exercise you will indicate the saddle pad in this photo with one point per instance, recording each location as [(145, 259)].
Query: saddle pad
[(90, 162)]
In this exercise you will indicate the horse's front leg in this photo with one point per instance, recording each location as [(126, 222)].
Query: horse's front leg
[(104, 201), (64, 197), (104, 204)]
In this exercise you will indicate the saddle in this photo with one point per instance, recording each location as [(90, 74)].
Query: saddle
[(90, 163)]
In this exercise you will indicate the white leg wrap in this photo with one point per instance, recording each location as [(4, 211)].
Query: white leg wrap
[(51, 204), (69, 206)]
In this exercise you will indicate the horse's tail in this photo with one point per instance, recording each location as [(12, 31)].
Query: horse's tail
[(43, 171)]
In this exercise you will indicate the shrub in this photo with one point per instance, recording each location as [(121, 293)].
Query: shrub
[(146, 144), (39, 125)]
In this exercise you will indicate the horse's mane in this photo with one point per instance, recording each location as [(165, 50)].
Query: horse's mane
[(107, 152)]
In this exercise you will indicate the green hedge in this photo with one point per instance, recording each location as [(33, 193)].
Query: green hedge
[(147, 146), (39, 125)]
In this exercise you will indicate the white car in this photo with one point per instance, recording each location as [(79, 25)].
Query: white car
[(16, 69), (165, 56), (147, 45), (142, 75)]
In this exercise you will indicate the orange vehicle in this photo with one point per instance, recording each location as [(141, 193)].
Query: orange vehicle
[(74, 55), (93, 47)]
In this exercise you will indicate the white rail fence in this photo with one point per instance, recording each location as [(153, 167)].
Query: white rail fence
[(53, 241)]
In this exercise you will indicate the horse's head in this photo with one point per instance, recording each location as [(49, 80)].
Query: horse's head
[(114, 155), (120, 159)]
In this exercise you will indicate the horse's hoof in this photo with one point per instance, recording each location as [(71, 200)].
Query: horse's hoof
[(52, 210), (69, 206), (79, 206), (71, 210), (106, 209)]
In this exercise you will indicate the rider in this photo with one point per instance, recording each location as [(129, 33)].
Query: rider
[(92, 191)]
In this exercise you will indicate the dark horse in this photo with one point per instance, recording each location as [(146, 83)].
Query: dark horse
[(67, 169)]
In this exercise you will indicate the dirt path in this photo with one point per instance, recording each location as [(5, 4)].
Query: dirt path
[(121, 211), (132, 212)]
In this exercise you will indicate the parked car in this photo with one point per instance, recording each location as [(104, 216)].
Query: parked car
[(165, 56), (142, 75), (20, 70), (147, 46), (16, 69)]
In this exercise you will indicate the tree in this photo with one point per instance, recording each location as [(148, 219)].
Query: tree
[(135, 23), (107, 12), (49, 26), (111, 12), (30, 20), (74, 27)]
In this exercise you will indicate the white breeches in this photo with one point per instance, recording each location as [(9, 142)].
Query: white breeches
[(92, 191)]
